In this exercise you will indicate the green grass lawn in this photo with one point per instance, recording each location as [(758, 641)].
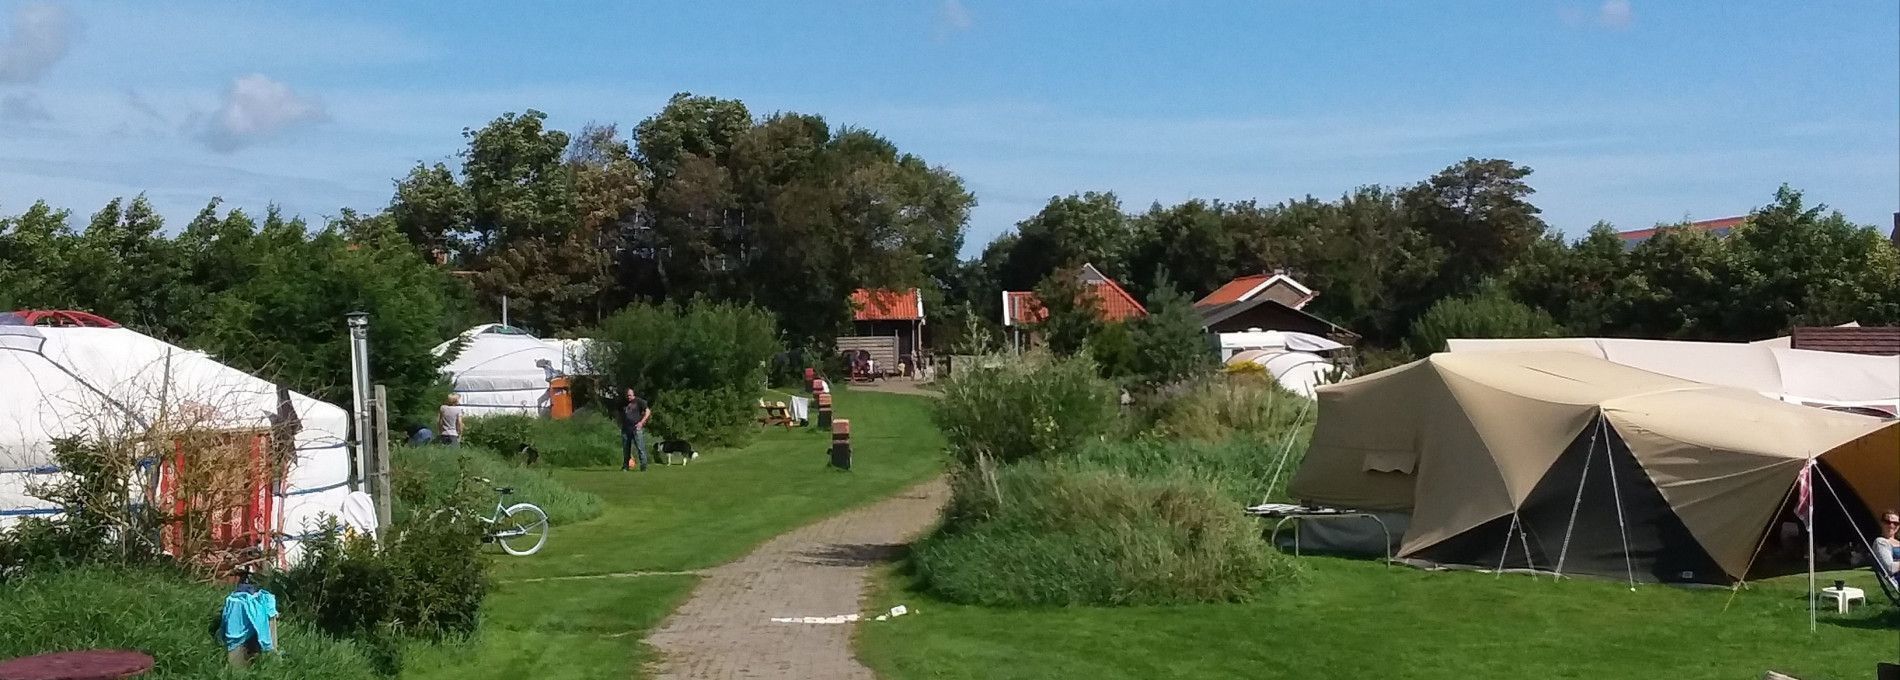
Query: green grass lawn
[(1358, 619), (677, 518)]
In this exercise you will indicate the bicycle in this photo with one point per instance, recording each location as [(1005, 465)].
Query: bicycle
[(520, 529)]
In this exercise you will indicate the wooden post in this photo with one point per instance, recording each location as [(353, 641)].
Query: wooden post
[(381, 446), (841, 444)]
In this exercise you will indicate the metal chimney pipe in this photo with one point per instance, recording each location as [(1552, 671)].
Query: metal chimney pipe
[(359, 395)]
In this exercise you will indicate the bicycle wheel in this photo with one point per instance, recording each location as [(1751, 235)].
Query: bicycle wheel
[(523, 530)]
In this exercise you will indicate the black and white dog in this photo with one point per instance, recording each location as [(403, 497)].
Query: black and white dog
[(676, 447)]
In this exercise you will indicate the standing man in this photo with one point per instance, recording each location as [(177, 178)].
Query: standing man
[(633, 436)]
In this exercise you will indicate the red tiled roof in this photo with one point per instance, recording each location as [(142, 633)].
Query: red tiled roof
[(1113, 301), (887, 305), (1246, 287), (1876, 340), (1719, 227), (57, 317)]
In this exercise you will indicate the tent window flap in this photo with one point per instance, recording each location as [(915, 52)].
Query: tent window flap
[(1403, 462)]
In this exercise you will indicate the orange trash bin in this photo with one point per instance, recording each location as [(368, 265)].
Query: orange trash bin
[(560, 398)]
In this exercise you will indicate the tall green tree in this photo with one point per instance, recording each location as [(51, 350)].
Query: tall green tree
[(517, 183), (1796, 264), (433, 210), (1170, 342), (35, 252), (1073, 230), (1478, 212), (123, 268), (1192, 238), (1587, 286), (690, 126), (1072, 312)]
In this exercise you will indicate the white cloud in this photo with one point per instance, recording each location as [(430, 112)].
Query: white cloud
[(40, 36), (255, 109), (24, 109), (954, 17), (1615, 14)]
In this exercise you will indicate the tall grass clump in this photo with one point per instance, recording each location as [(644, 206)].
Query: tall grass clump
[(1064, 534), (1224, 405), (160, 612), (432, 476), (1032, 408), (699, 365)]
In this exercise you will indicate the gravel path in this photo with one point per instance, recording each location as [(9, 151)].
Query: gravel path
[(725, 630)]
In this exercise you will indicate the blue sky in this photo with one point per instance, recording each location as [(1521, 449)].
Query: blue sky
[(1632, 111)]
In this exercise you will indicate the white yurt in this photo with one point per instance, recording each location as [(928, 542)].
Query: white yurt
[(109, 382), (503, 370), (1297, 361)]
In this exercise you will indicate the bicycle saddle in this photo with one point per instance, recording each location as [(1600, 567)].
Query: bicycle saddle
[(504, 490)]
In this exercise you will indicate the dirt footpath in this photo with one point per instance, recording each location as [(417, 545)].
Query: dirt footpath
[(725, 630)]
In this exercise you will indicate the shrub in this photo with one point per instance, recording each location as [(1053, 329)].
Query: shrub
[(1061, 534), (1029, 408), (432, 476), (1113, 349), (426, 581), (504, 434), (1486, 315), (162, 613), (700, 366)]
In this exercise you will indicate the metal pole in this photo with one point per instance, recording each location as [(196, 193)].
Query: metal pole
[(382, 486), (359, 393), (504, 310)]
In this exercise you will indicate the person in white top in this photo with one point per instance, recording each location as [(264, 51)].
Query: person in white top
[(1887, 547), (450, 421)]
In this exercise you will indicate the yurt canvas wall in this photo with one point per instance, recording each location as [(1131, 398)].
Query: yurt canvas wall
[(502, 370), (114, 382)]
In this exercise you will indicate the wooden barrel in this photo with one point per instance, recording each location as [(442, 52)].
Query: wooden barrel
[(841, 428)]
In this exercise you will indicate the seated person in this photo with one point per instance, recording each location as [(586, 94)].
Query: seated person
[(1887, 547)]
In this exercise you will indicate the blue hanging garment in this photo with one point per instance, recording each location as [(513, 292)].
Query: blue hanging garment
[(247, 615)]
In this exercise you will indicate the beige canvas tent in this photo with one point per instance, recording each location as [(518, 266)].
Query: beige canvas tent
[(1793, 375), (1563, 462)]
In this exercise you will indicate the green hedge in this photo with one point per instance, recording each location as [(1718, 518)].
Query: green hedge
[(160, 613), (589, 439)]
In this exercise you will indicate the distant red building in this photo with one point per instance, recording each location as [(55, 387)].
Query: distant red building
[(1718, 228)]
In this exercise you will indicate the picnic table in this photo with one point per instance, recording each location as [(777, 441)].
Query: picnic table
[(91, 664)]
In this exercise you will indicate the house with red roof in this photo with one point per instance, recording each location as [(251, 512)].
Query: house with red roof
[(889, 324), (1718, 228), (1022, 310), (1266, 302)]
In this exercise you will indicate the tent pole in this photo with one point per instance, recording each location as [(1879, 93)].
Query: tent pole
[(1622, 529), (1505, 554), (1813, 599), (1589, 454), (1287, 450)]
